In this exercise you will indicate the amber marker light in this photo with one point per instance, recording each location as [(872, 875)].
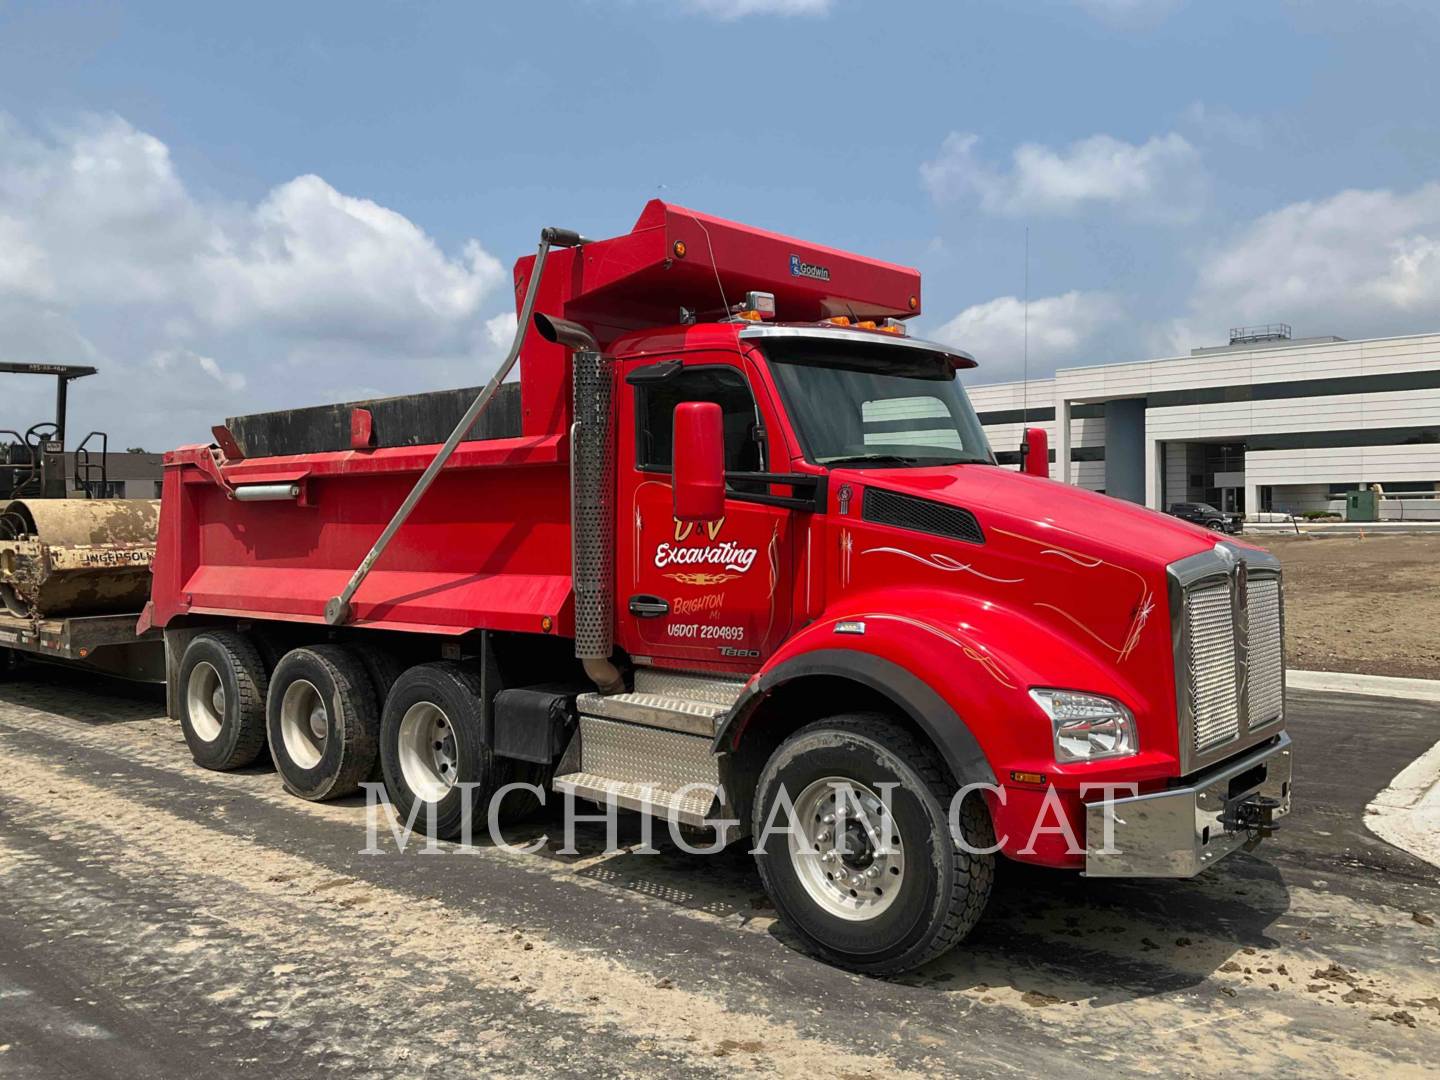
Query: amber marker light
[(547, 623), (679, 250), (1028, 777)]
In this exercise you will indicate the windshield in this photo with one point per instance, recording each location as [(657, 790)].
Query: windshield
[(876, 405)]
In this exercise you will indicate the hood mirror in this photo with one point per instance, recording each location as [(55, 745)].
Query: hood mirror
[(1035, 452)]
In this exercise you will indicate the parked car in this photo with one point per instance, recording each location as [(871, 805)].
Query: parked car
[(1206, 515)]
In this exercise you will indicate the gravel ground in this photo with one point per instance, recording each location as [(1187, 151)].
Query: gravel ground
[(158, 920), (1368, 605)]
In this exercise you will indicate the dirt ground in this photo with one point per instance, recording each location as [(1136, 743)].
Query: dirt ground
[(158, 920), (1367, 605)]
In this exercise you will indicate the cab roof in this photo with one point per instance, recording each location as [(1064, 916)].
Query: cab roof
[(726, 335)]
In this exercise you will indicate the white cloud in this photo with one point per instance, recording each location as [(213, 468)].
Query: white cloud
[(729, 10), (1223, 124), (1059, 327), (324, 264), (1130, 14), (195, 309), (1359, 263), (500, 330), (1160, 179)]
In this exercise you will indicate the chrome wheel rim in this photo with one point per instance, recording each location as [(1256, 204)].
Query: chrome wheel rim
[(205, 701), (304, 723), (845, 849), (427, 751)]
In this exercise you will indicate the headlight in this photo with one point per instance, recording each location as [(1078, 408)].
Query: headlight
[(1087, 727)]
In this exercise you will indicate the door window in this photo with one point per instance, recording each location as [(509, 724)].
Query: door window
[(655, 410)]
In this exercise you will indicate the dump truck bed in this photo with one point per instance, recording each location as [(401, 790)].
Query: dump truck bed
[(487, 548)]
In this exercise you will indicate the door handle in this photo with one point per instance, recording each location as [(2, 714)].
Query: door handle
[(648, 607)]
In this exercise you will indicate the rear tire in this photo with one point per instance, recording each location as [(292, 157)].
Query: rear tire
[(874, 907), (382, 665), (384, 669), (432, 741), (10, 664), (269, 645), (322, 721), (222, 700)]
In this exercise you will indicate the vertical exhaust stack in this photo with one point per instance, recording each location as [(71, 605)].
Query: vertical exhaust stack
[(592, 501)]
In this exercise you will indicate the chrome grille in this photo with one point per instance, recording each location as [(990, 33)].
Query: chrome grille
[(1214, 693), (1266, 678), (1228, 625)]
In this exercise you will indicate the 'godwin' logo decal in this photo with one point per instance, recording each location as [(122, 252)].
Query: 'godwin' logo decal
[(729, 558)]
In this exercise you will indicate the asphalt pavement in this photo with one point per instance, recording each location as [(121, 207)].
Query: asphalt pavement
[(158, 920)]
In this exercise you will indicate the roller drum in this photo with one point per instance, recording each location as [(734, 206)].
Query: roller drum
[(76, 556)]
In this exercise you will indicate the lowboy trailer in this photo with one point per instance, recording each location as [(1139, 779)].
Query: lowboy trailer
[(734, 552)]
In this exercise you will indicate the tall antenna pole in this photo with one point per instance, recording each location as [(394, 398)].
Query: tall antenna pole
[(1025, 361)]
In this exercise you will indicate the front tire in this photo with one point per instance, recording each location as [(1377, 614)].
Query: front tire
[(222, 700), (858, 898), (322, 721)]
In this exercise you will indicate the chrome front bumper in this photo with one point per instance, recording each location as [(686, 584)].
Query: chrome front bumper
[(1179, 832)]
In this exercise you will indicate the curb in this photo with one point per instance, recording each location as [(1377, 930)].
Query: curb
[(1407, 813), (1340, 682), (1344, 528)]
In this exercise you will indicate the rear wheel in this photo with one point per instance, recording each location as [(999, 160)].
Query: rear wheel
[(382, 665), (322, 721), (433, 749), (10, 663), (222, 700), (269, 645), (872, 888), (384, 669)]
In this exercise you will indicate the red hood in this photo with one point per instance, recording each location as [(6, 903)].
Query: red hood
[(1047, 509)]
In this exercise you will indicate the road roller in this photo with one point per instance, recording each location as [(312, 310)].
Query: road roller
[(74, 572)]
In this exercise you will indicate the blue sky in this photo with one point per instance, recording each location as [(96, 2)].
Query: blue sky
[(230, 207)]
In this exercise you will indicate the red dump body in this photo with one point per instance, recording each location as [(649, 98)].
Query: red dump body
[(489, 546)]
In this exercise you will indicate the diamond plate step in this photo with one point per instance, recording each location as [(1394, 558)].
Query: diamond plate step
[(645, 769), (691, 687), (652, 710)]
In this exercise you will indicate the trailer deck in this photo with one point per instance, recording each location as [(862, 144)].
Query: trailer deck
[(106, 643)]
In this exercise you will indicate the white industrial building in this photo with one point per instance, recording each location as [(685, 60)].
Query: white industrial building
[(1266, 423)]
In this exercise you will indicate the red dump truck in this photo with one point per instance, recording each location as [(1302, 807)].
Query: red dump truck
[(733, 552)]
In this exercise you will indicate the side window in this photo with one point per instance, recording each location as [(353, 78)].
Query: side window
[(655, 409)]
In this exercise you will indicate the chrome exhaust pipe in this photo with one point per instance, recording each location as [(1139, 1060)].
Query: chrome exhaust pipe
[(564, 332)]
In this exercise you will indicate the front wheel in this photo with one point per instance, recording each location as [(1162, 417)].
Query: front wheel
[(854, 846)]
